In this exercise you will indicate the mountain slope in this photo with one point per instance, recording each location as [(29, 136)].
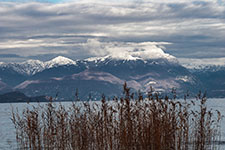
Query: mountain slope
[(4, 87), (95, 83), (11, 77)]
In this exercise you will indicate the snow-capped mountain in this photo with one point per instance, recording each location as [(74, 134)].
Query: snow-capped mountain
[(212, 78), (59, 61), (203, 63), (15, 73), (98, 59), (207, 68), (31, 67), (106, 74)]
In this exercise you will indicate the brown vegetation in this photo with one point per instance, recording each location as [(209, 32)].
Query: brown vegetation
[(130, 122)]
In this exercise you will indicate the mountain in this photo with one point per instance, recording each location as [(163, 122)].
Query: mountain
[(210, 73), (29, 67), (203, 63), (62, 76), (107, 75), (212, 78), (15, 73)]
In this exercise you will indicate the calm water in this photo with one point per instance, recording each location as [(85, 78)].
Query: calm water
[(7, 131)]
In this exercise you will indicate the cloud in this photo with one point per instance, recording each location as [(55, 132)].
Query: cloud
[(195, 28), (127, 50), (199, 63)]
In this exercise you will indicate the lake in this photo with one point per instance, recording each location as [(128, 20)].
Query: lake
[(7, 131)]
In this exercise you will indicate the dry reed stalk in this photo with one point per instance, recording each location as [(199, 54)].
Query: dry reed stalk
[(131, 122)]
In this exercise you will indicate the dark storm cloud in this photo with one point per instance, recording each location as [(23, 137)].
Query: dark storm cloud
[(195, 28)]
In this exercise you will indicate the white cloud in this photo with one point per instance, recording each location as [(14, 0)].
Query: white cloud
[(128, 50), (196, 28)]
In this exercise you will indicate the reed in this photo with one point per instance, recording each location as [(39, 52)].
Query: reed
[(129, 122)]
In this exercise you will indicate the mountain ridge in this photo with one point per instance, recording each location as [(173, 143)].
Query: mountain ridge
[(32, 66), (106, 74)]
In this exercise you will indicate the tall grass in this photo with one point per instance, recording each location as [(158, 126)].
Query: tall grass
[(125, 123)]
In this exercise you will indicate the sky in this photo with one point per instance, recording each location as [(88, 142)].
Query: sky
[(43, 29)]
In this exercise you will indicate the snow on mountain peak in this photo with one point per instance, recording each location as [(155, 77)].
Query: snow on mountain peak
[(58, 61), (29, 67), (201, 63), (97, 59), (33, 62)]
